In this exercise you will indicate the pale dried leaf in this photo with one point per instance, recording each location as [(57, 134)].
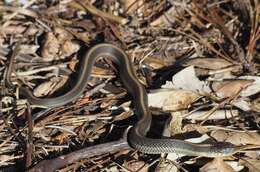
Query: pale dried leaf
[(166, 166), (98, 71), (123, 115), (5, 158), (24, 49), (242, 103), (134, 165), (58, 45), (132, 5), (72, 65), (252, 88), (68, 48), (235, 165), (230, 88), (174, 156), (19, 29), (237, 138), (256, 105), (253, 154), (113, 168), (156, 62), (171, 100), (51, 47), (176, 123), (195, 127), (200, 139), (219, 114), (62, 34), (50, 86), (187, 80), (217, 165), (165, 20), (209, 63), (252, 164), (168, 85)]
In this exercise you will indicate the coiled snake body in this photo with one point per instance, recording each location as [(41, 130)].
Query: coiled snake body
[(137, 134)]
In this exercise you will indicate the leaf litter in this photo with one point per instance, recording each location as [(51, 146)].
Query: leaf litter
[(198, 59)]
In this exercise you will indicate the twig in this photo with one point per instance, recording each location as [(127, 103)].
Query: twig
[(29, 145), (61, 161)]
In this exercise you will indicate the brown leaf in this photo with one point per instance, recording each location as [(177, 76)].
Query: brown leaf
[(227, 89), (98, 71), (51, 47), (209, 63), (166, 166), (50, 87), (132, 5), (218, 114), (237, 138), (176, 123), (253, 165), (217, 165), (134, 165), (195, 127), (172, 100), (58, 44), (5, 158), (166, 19), (72, 64)]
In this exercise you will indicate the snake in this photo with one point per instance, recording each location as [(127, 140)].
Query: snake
[(137, 135)]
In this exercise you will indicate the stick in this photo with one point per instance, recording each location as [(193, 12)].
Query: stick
[(61, 161)]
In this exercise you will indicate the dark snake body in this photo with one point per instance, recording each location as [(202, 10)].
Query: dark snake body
[(137, 134)]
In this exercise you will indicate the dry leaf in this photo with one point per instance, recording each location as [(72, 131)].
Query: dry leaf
[(4, 159), (51, 47), (72, 65), (253, 165), (187, 80), (219, 114), (123, 115), (50, 87), (131, 6), (98, 71), (61, 137), (195, 127), (68, 48), (217, 165), (176, 123), (165, 20), (208, 63), (58, 45), (166, 166), (171, 100), (242, 104), (237, 138), (256, 105), (227, 89), (252, 88), (134, 165), (156, 62)]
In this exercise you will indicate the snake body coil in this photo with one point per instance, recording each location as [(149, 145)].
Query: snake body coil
[(137, 134)]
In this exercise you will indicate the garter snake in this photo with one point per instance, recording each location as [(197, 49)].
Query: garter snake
[(136, 136)]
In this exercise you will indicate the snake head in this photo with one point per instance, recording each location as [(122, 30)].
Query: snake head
[(223, 149)]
